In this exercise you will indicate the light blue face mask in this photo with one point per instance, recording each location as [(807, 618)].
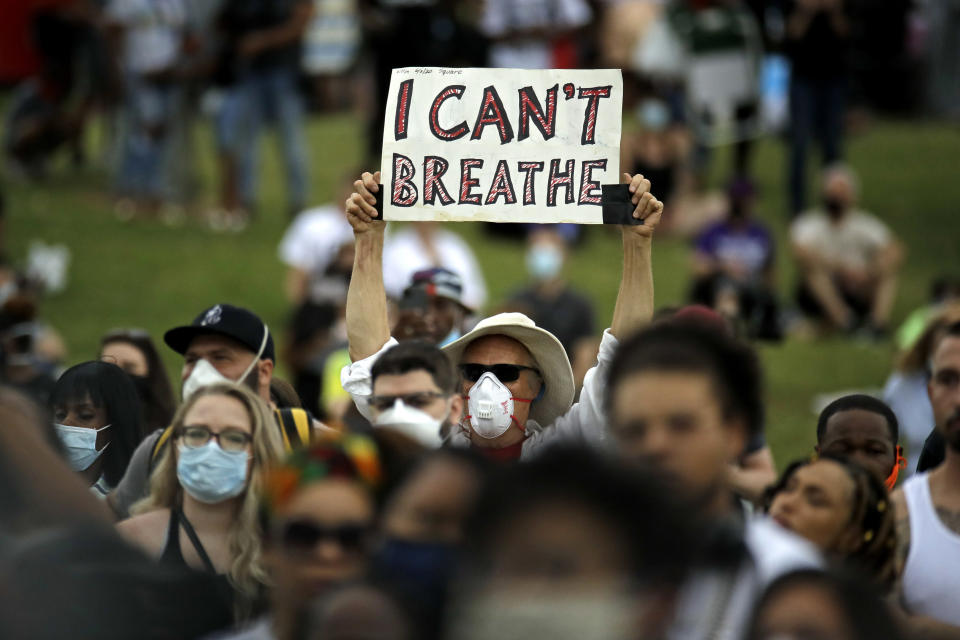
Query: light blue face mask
[(210, 474), (544, 261), (80, 445)]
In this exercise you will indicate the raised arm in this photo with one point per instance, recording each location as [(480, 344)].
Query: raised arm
[(634, 306), (367, 325)]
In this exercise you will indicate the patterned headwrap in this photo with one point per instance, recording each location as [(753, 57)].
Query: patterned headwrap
[(349, 456)]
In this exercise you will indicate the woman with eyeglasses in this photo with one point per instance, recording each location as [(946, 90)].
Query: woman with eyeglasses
[(202, 511), (318, 514), (96, 416), (133, 351)]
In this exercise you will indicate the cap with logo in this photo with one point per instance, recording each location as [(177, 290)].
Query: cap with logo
[(224, 320), (438, 282)]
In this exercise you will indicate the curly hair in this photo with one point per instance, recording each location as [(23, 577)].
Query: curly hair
[(246, 573), (870, 540)]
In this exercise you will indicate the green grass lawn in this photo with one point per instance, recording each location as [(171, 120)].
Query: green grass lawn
[(146, 275)]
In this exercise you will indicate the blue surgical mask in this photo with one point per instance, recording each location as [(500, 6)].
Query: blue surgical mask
[(544, 261), (80, 445), (210, 474)]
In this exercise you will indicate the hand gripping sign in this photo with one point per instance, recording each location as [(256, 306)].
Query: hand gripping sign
[(503, 145)]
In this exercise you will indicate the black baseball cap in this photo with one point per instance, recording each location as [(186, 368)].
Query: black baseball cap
[(237, 323)]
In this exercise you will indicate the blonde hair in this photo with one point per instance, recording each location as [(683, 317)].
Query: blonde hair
[(246, 573)]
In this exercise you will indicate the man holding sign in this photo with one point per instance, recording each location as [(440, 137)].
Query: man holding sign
[(515, 376)]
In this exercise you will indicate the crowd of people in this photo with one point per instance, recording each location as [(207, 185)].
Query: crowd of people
[(440, 464), (474, 487)]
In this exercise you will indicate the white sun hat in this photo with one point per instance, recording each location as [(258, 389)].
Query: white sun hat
[(547, 352)]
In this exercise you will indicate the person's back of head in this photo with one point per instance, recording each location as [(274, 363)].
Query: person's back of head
[(283, 395)]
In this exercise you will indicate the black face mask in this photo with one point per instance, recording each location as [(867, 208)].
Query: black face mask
[(835, 207)]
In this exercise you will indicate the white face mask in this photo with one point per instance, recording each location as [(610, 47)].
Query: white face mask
[(80, 445), (205, 374), (490, 407), (419, 425), (602, 615)]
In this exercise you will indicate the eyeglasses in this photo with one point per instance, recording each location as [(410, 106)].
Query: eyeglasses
[(195, 436), (302, 535), (416, 400), (504, 372)]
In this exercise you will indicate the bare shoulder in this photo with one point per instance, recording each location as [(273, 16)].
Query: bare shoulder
[(902, 516), (148, 531), (899, 501)]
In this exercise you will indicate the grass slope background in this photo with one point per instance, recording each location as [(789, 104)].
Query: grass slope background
[(143, 274)]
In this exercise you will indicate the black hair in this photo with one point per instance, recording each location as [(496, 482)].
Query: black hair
[(401, 471), (109, 387), (691, 347), (944, 286), (628, 500), (863, 609), (156, 394), (951, 330), (414, 355), (310, 318), (862, 402)]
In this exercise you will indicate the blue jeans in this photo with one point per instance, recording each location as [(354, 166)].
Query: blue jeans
[(264, 96), (816, 109), (145, 138)]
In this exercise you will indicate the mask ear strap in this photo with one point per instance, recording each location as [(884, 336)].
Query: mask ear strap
[(259, 354)]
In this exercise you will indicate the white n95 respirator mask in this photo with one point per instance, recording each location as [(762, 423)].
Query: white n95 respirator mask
[(490, 407), (410, 421)]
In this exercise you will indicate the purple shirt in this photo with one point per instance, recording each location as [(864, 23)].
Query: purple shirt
[(750, 245)]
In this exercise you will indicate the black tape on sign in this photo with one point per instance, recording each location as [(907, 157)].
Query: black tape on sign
[(379, 203), (615, 199), (617, 207)]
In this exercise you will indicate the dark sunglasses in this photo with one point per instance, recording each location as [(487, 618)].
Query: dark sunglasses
[(504, 372), (302, 536), (415, 400)]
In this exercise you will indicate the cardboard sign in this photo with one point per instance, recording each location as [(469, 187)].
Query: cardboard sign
[(501, 145)]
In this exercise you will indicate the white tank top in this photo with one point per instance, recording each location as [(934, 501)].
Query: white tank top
[(931, 577)]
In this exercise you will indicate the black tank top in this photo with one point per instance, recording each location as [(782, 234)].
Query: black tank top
[(172, 554)]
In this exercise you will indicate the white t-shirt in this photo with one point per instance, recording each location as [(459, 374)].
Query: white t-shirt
[(714, 604), (851, 242), (312, 242), (500, 17), (153, 30), (404, 254)]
